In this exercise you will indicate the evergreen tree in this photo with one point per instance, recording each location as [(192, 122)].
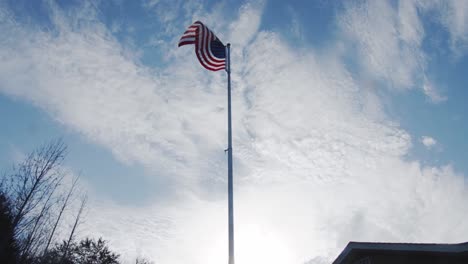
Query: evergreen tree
[(9, 246)]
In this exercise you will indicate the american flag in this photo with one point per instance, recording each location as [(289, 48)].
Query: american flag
[(210, 51)]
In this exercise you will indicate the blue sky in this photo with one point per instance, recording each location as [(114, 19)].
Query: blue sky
[(345, 115)]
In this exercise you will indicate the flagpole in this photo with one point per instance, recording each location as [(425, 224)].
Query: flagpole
[(230, 182)]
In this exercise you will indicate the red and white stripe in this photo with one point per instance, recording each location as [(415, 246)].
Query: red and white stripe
[(201, 36)]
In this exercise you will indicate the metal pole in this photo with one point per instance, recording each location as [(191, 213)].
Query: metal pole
[(230, 192)]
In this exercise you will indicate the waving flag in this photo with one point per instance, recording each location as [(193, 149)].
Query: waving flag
[(214, 56), (210, 51)]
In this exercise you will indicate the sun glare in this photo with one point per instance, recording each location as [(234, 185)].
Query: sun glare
[(254, 244), (257, 244)]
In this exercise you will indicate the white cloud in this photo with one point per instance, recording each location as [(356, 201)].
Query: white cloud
[(432, 93), (410, 26), (453, 15), (247, 24), (388, 40), (296, 28), (16, 154), (314, 166), (429, 142), (455, 18)]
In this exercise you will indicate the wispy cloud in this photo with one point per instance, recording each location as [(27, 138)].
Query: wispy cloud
[(389, 39), (247, 24), (432, 93), (429, 142), (455, 18), (297, 30), (314, 166)]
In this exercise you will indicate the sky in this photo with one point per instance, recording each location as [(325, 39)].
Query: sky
[(349, 122)]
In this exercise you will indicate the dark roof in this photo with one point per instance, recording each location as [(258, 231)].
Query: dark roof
[(353, 249)]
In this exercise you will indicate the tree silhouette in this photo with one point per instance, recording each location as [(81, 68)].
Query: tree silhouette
[(87, 251), (9, 250), (32, 203), (29, 194)]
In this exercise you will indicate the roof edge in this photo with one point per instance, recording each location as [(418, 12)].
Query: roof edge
[(416, 247)]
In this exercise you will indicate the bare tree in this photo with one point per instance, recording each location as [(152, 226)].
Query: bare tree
[(77, 221), (36, 176), (35, 233), (32, 205), (64, 205), (30, 190)]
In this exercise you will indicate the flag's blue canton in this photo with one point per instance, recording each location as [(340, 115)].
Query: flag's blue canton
[(209, 49), (218, 49)]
